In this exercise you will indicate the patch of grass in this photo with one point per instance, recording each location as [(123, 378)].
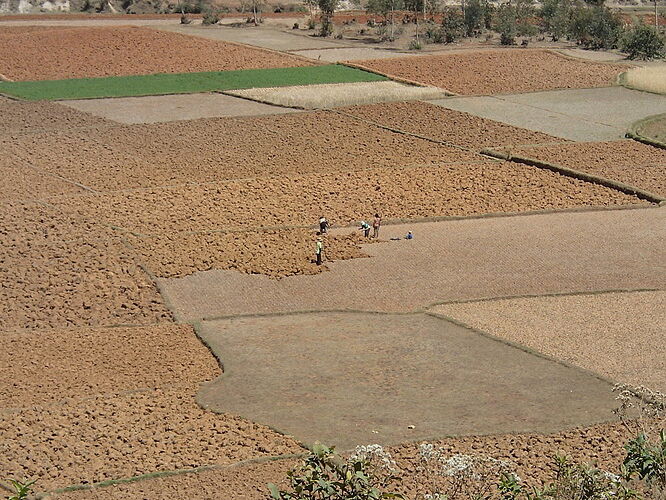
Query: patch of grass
[(649, 79), (184, 83)]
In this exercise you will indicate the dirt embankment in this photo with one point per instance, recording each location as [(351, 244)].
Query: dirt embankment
[(443, 124), (120, 51), (225, 148), (345, 198), (630, 162), (58, 272), (499, 71)]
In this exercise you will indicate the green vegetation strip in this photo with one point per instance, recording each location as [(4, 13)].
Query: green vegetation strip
[(184, 83)]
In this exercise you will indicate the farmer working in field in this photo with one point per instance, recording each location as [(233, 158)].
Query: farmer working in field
[(319, 250), (323, 225), (365, 227)]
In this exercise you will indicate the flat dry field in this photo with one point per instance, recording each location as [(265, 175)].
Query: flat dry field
[(499, 71), (441, 124), (586, 330), (57, 54), (630, 162)]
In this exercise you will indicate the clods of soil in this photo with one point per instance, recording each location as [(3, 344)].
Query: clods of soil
[(43, 367), (499, 71), (275, 253), (119, 51), (102, 438), (456, 127), (344, 197), (630, 162), (224, 148), (60, 272)]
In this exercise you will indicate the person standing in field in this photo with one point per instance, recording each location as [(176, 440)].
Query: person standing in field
[(323, 225), (375, 226), (319, 250)]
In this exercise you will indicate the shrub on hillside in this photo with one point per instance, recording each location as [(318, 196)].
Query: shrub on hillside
[(595, 27), (642, 42)]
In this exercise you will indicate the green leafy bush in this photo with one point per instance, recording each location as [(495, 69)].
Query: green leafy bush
[(595, 27), (324, 475), (642, 42)]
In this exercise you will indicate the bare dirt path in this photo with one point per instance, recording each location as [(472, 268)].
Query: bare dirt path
[(455, 260), (353, 378)]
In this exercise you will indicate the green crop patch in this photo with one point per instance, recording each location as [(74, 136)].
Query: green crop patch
[(184, 83)]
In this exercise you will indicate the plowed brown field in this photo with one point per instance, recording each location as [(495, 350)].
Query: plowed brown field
[(21, 182), (223, 148), (499, 71), (443, 124), (103, 51), (20, 117), (273, 253), (531, 453), (43, 367), (343, 197), (59, 273), (101, 438), (630, 162)]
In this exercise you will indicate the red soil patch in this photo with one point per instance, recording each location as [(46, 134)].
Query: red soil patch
[(273, 253), (97, 52), (447, 125), (344, 197), (58, 272), (630, 162), (136, 156), (44, 367), (102, 438), (499, 71)]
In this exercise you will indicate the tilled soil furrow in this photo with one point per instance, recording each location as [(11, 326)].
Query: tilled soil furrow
[(343, 197), (487, 72), (124, 436)]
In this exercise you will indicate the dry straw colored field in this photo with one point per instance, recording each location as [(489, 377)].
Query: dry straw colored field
[(499, 71), (648, 78), (56, 54), (630, 162), (589, 331), (335, 95)]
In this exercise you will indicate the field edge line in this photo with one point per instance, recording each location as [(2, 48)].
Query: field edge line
[(577, 174)]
